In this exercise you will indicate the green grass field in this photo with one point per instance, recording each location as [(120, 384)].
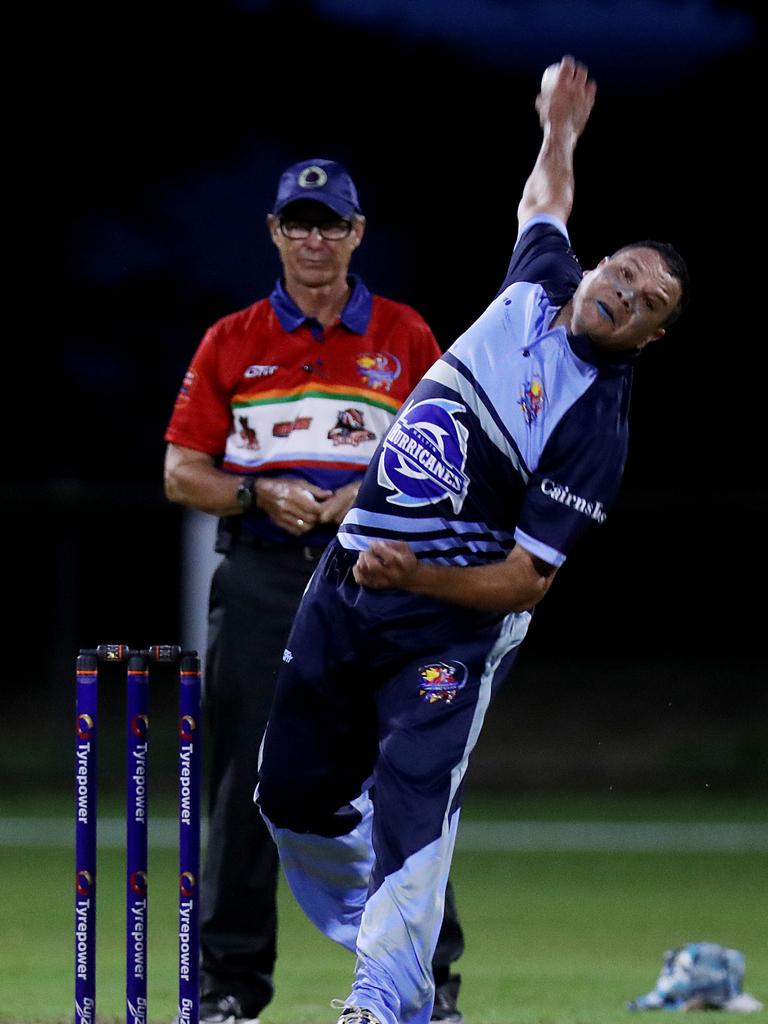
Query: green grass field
[(553, 937)]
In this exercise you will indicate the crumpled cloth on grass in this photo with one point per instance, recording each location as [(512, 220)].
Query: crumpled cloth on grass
[(700, 976)]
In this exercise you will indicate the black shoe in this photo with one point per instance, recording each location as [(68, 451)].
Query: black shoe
[(445, 1008), (216, 1009)]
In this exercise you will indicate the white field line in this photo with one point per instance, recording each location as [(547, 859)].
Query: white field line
[(474, 836), (610, 836)]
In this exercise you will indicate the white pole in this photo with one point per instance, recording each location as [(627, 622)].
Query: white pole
[(198, 563)]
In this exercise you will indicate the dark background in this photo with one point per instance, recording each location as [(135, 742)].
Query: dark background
[(144, 160)]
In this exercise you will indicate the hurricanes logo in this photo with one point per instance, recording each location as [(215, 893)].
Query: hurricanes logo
[(378, 369), (424, 455), (441, 681), (531, 399)]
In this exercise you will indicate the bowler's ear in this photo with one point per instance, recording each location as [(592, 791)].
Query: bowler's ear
[(652, 337), (602, 262)]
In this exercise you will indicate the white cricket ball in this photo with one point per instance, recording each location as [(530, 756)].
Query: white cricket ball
[(549, 78)]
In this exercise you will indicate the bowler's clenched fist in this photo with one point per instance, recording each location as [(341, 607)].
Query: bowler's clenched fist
[(386, 564)]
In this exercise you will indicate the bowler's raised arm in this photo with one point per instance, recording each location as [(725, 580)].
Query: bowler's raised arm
[(564, 105)]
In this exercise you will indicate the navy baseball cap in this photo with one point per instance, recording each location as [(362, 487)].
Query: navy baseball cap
[(323, 181)]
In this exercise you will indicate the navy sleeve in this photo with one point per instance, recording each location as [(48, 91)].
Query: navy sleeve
[(543, 255), (579, 473)]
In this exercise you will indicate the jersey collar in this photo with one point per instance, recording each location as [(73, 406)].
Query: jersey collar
[(582, 346), (355, 316)]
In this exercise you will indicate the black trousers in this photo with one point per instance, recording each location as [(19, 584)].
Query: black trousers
[(254, 595)]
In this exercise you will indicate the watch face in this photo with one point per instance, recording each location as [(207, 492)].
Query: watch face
[(245, 494)]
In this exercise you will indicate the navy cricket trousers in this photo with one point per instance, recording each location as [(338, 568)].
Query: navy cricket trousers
[(379, 703)]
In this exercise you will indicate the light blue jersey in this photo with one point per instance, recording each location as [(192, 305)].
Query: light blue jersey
[(518, 434)]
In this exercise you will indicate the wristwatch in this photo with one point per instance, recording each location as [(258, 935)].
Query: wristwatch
[(245, 496)]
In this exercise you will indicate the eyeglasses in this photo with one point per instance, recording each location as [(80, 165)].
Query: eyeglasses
[(330, 230)]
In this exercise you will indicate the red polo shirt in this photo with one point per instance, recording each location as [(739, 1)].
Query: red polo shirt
[(271, 391)]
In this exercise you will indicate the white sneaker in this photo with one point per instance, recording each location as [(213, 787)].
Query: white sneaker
[(357, 1015), (743, 1003)]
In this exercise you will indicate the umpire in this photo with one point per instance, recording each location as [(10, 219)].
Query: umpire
[(276, 420)]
